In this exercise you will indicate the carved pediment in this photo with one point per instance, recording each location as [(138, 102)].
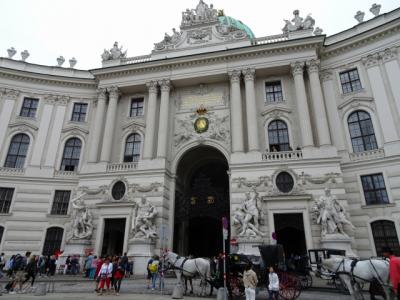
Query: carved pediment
[(133, 125), (75, 130), (23, 125), (356, 102), (277, 111)]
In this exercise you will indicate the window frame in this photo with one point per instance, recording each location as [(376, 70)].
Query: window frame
[(268, 124), (350, 82), (3, 205), (371, 231), (362, 136), (139, 155), (131, 108), (30, 108), (375, 189), (18, 155), (62, 167), (85, 114), (45, 238), (53, 211)]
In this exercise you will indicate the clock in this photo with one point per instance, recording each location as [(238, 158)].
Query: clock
[(201, 124)]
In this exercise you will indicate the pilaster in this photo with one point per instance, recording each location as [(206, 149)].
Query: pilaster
[(150, 120), (165, 86), (251, 110), (236, 112)]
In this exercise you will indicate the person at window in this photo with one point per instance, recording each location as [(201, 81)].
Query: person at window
[(105, 274), (394, 269), (273, 284), (250, 282), (274, 148)]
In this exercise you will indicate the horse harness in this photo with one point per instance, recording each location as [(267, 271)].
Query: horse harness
[(174, 267)]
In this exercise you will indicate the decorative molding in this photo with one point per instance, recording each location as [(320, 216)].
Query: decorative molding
[(56, 99), (101, 94), (313, 65), (371, 60), (297, 68), (23, 126), (326, 74), (133, 125), (11, 94), (152, 86), (113, 92), (244, 182), (388, 54), (165, 85), (249, 74), (276, 111), (234, 75), (75, 130), (327, 178), (357, 102), (154, 186)]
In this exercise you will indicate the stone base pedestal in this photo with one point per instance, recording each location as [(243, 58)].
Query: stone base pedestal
[(141, 250), (338, 241), (75, 247), (249, 246)]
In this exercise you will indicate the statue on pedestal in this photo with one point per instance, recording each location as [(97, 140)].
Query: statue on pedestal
[(114, 53), (143, 220), (331, 215), (246, 217), (82, 220), (298, 23)]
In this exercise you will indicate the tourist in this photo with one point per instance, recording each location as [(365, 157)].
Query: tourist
[(250, 282), (67, 267), (149, 262), (117, 279), (74, 265), (273, 285), (93, 267), (31, 270), (125, 262), (116, 263), (2, 264), (42, 266), (19, 266), (51, 266), (153, 268), (88, 264), (9, 266), (394, 269), (96, 273), (161, 274), (105, 274)]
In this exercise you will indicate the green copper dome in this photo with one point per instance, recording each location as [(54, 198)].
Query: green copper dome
[(226, 20)]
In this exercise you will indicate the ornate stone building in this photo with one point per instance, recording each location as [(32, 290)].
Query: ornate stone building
[(293, 137)]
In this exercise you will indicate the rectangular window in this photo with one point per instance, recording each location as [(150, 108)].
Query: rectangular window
[(273, 92), (79, 112), (136, 107), (29, 107), (350, 81), (6, 195), (374, 189), (60, 203)]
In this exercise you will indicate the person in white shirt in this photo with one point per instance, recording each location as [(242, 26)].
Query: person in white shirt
[(273, 286), (105, 275)]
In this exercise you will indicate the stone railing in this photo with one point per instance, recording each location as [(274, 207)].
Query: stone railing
[(61, 173), (366, 155), (136, 59), (12, 171), (283, 155), (270, 39), (122, 167)]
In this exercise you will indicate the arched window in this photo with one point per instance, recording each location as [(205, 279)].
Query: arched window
[(132, 148), (53, 240), (17, 152), (1, 233), (385, 235), (278, 136), (72, 152), (361, 131)]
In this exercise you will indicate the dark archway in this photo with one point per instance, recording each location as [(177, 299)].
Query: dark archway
[(201, 200), (289, 230)]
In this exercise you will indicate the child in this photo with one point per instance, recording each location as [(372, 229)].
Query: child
[(273, 286)]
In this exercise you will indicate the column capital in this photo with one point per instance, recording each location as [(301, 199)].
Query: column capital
[(326, 75), (101, 93), (113, 92), (165, 85), (388, 54), (249, 74), (234, 75), (313, 66), (11, 94), (371, 60), (152, 86), (297, 68)]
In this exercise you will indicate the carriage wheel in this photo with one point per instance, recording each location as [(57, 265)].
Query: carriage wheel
[(306, 281), (289, 286)]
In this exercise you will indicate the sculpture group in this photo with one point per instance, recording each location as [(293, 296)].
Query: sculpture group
[(82, 220), (203, 13), (143, 220), (298, 23), (114, 53)]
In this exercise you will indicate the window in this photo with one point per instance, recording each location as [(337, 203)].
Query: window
[(132, 148), (60, 203), (385, 235), (79, 112), (374, 189), (53, 240), (72, 152), (118, 190), (350, 81), (6, 195), (278, 136), (136, 107), (29, 107), (273, 92), (284, 182), (1, 233), (362, 132), (17, 151)]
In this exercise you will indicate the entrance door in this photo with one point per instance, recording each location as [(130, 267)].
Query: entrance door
[(113, 238), (289, 229)]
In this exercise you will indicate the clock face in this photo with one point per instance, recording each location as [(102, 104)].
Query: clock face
[(201, 125)]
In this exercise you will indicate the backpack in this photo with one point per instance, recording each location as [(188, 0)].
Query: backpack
[(153, 267), (18, 264)]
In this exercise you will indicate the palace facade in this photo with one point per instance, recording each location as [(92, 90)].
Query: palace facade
[(211, 114)]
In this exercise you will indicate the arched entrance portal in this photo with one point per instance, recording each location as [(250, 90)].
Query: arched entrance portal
[(201, 200)]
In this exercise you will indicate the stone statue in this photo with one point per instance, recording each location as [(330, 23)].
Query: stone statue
[(113, 53), (246, 217), (82, 220), (331, 215), (298, 23), (201, 14), (168, 40), (143, 222)]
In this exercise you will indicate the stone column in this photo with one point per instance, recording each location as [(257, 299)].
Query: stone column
[(320, 116), (163, 121), (392, 67), (150, 120), (251, 110), (302, 105), (236, 112), (9, 98), (335, 123), (98, 125), (381, 98), (113, 94)]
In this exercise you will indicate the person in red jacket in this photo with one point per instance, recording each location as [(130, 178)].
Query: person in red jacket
[(96, 278), (394, 269)]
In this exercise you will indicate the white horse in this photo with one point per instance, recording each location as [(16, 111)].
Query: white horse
[(189, 268), (353, 272)]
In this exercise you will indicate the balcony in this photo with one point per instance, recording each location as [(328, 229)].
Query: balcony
[(367, 155), (69, 174), (12, 171), (122, 167), (283, 155)]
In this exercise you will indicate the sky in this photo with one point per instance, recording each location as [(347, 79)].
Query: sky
[(84, 28)]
